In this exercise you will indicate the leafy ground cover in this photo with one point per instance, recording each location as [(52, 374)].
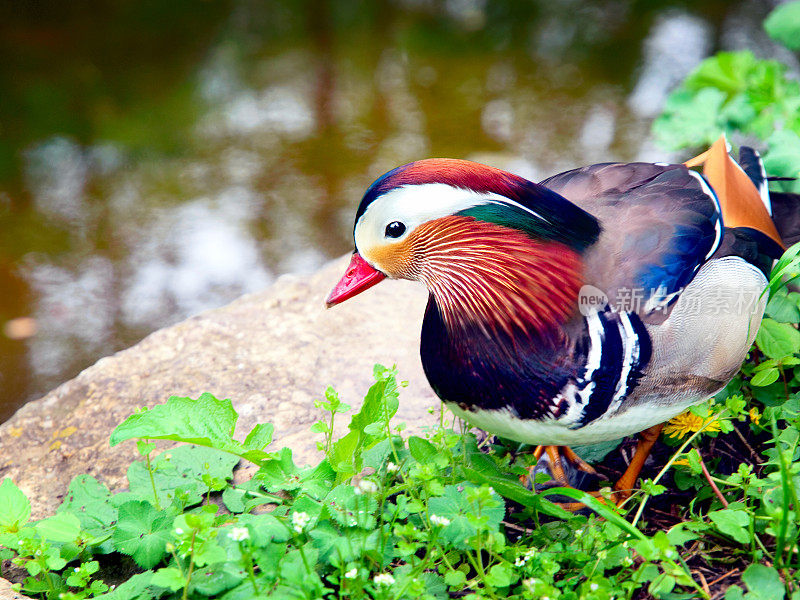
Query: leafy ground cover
[(385, 515)]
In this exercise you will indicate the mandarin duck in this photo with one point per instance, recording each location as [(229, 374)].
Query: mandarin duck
[(596, 304)]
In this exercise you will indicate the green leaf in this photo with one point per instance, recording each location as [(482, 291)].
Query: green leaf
[(90, 501), (501, 576), (455, 506), (734, 593), (142, 532), (170, 578), (135, 588), (213, 580), (422, 450), (765, 377), (661, 585), (260, 437), (349, 509), (783, 24), (594, 453), (188, 472), (784, 306), (732, 523), (455, 579), (380, 404), (15, 508), (264, 529), (206, 422), (777, 340), (62, 527), (764, 583), (725, 71)]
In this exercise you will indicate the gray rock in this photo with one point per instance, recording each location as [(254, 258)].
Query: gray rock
[(6, 593), (271, 353)]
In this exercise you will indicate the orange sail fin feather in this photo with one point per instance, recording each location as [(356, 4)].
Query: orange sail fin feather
[(739, 199)]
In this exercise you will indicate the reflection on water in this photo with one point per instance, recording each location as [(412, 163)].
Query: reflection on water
[(157, 160)]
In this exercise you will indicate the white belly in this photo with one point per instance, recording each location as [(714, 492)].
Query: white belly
[(553, 433)]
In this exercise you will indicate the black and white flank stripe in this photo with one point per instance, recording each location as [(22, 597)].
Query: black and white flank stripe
[(615, 349)]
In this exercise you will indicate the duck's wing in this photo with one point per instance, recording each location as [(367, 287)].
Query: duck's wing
[(660, 224)]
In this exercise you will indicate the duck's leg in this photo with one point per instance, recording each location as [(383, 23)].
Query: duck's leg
[(626, 483), (562, 465), (559, 458), (557, 470)]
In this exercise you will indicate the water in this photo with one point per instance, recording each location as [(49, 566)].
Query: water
[(161, 158)]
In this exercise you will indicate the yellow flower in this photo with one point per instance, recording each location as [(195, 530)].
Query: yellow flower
[(688, 422), (755, 416)]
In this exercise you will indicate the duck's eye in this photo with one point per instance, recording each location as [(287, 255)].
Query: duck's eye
[(395, 229)]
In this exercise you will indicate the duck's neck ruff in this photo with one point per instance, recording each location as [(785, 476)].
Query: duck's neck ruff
[(494, 278)]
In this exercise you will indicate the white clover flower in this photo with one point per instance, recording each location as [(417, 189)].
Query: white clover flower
[(239, 534), (299, 521), (366, 486), (392, 468), (351, 574), (437, 520), (593, 587), (523, 560), (383, 579)]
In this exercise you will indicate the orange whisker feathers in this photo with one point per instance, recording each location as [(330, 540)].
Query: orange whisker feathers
[(494, 277)]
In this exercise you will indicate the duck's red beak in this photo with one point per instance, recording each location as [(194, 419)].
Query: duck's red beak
[(358, 277)]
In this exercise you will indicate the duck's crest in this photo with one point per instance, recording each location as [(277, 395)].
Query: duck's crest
[(564, 220)]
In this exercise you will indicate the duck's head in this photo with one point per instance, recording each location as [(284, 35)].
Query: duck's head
[(475, 235)]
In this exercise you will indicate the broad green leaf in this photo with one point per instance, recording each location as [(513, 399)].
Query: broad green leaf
[(765, 377), (732, 523), (725, 71), (188, 472), (135, 588), (734, 593), (422, 450), (264, 529), (62, 527), (784, 306), (142, 532), (206, 421), (501, 576), (169, 577), (380, 404), (455, 579), (783, 24), (260, 437), (594, 453), (661, 585), (763, 583), (777, 340), (90, 501), (15, 508), (213, 580), (349, 509), (455, 506)]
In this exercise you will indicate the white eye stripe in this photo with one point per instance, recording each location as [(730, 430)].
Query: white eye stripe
[(413, 205)]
